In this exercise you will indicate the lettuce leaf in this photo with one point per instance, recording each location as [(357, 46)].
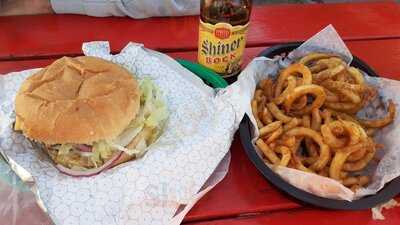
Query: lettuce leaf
[(128, 134), (146, 128), (64, 149), (102, 149), (152, 115)]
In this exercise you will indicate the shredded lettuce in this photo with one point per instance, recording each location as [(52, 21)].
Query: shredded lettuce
[(155, 110), (141, 148), (128, 134), (152, 115), (102, 149), (144, 130), (64, 149), (157, 116)]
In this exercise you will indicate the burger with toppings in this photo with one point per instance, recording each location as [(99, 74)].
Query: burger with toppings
[(89, 114)]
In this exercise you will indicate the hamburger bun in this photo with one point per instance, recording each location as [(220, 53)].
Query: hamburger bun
[(77, 100)]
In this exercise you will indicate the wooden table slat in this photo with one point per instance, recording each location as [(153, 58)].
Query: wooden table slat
[(244, 190), (56, 35), (382, 55), (309, 216)]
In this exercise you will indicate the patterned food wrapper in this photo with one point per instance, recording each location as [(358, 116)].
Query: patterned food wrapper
[(187, 161), (381, 173)]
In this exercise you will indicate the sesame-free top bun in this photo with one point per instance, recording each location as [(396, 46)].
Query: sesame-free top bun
[(77, 100)]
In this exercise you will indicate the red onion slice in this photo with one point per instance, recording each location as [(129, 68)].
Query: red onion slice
[(84, 148), (89, 172)]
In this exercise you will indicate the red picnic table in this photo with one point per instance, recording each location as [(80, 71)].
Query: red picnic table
[(371, 31)]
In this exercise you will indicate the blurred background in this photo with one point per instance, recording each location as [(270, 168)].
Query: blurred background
[(259, 2)]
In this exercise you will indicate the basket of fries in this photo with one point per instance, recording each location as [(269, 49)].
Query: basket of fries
[(306, 134)]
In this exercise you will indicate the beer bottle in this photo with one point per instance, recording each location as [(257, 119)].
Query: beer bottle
[(222, 34)]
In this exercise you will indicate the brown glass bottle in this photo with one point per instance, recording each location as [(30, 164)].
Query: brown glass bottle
[(222, 34)]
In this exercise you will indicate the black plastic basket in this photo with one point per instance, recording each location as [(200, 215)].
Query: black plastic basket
[(390, 190)]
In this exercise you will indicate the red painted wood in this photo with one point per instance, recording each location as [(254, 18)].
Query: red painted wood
[(244, 190), (63, 34), (310, 216), (382, 55), (12, 66)]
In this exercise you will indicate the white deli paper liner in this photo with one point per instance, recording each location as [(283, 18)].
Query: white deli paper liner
[(388, 168), (377, 211), (148, 190)]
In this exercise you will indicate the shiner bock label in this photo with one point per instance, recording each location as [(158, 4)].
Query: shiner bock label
[(221, 47)]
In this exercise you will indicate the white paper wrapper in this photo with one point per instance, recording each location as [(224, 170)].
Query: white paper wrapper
[(377, 211), (388, 168), (148, 190)]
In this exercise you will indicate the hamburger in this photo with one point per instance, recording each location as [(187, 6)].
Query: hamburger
[(89, 114)]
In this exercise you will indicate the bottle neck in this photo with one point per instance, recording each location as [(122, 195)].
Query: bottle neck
[(234, 12)]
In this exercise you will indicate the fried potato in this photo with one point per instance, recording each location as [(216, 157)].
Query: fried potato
[(266, 117), (307, 119), (327, 74), (315, 90), (271, 155), (274, 135), (270, 128), (379, 123), (324, 153), (306, 60), (294, 122), (316, 119), (290, 71), (291, 84), (286, 156), (277, 113), (254, 107)]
